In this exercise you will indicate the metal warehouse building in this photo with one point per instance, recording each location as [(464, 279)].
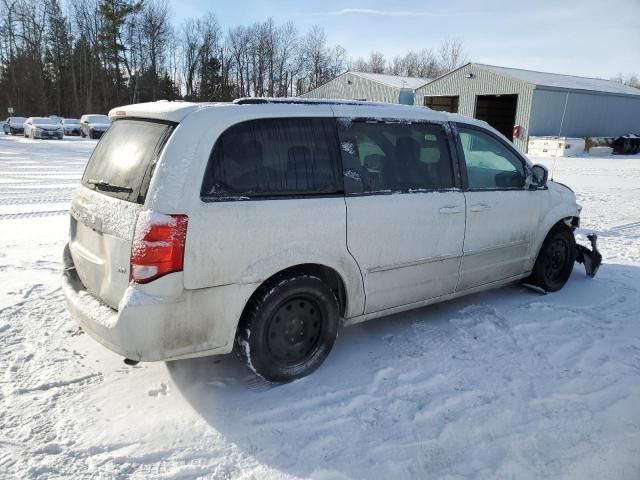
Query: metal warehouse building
[(541, 104), (373, 87)]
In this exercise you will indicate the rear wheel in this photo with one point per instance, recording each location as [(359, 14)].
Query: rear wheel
[(289, 328), (555, 260)]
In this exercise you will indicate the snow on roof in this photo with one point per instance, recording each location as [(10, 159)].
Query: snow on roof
[(160, 110), (394, 81), (557, 80)]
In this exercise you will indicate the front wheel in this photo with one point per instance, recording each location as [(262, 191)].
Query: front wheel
[(555, 260), (289, 328)]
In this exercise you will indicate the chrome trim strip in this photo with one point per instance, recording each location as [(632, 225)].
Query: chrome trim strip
[(498, 247), (420, 261)]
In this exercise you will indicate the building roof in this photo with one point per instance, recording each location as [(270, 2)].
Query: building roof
[(568, 82), (394, 81)]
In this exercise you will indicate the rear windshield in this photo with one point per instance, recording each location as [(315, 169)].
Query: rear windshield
[(122, 163)]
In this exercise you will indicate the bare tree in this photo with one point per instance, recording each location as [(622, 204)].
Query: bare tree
[(631, 80), (377, 62), (89, 55), (451, 55)]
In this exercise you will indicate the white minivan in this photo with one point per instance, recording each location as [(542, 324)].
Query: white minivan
[(269, 224)]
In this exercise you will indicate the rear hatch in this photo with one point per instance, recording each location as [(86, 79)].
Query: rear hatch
[(105, 209)]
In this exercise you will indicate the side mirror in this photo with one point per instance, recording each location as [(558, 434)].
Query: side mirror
[(539, 177)]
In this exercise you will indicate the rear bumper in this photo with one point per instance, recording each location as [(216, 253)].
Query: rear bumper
[(159, 320)]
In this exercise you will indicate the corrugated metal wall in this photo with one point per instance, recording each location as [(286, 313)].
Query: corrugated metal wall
[(587, 114), (483, 82), (359, 89)]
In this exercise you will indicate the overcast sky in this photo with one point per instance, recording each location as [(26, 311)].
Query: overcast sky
[(580, 37)]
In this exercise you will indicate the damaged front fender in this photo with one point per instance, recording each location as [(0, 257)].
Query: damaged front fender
[(591, 259)]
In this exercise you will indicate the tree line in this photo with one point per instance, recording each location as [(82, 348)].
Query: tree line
[(90, 55)]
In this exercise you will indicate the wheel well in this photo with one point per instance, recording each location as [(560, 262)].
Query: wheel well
[(571, 222), (568, 222), (327, 274)]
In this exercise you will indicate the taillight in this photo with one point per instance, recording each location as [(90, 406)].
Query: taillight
[(158, 246)]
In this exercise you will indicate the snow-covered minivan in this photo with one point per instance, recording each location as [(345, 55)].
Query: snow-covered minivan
[(269, 224)]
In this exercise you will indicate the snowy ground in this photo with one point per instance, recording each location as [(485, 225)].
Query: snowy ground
[(505, 384)]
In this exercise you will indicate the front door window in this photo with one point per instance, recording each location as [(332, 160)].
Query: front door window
[(490, 164)]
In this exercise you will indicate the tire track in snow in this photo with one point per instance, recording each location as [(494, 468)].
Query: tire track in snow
[(29, 200), (13, 216)]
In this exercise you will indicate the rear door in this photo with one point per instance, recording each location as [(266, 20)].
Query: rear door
[(405, 216), (104, 209), (502, 214)]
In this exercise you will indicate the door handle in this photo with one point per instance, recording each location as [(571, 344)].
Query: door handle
[(449, 209), (479, 207)]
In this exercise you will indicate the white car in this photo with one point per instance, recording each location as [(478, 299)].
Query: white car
[(43, 127), (71, 126), (14, 126), (270, 224), (94, 126)]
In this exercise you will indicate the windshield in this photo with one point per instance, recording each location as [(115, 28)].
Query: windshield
[(122, 163), (17, 119), (98, 119), (44, 121), (71, 121)]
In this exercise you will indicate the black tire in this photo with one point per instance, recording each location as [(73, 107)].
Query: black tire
[(288, 328), (555, 260)]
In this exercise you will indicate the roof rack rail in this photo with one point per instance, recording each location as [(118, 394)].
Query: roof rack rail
[(300, 101), (250, 101)]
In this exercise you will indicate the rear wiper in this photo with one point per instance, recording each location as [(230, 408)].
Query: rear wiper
[(106, 186)]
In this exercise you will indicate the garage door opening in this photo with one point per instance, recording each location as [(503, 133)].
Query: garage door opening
[(499, 111), (442, 104)]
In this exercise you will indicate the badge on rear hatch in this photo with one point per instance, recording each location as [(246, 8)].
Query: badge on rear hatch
[(88, 219)]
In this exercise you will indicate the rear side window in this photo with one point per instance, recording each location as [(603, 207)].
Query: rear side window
[(122, 163), (380, 156), (273, 157)]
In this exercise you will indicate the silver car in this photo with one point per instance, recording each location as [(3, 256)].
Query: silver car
[(43, 127), (93, 126)]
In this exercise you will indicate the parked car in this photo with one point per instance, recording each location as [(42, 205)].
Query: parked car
[(14, 126), (71, 126), (267, 224), (42, 127), (93, 126)]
